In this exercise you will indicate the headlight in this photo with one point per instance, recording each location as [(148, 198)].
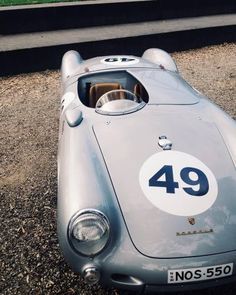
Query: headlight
[(89, 232)]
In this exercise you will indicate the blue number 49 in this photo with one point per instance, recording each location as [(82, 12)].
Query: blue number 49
[(171, 185)]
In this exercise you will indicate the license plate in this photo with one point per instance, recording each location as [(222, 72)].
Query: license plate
[(176, 276)]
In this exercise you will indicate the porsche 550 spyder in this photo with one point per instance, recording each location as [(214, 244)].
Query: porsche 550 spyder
[(146, 176)]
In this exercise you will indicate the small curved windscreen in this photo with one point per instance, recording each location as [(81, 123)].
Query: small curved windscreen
[(118, 102)]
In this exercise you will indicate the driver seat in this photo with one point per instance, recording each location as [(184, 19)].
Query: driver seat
[(98, 89)]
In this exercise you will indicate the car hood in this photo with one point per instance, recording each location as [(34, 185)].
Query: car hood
[(128, 143)]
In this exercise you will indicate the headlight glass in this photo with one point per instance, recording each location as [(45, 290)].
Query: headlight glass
[(89, 232)]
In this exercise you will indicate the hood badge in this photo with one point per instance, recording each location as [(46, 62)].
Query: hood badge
[(191, 220), (164, 143), (195, 232)]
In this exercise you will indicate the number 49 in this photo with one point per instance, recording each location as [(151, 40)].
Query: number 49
[(171, 185)]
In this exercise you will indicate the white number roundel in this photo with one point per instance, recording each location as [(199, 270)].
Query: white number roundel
[(178, 183), (120, 60)]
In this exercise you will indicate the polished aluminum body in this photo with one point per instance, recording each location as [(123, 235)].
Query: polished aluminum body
[(100, 160)]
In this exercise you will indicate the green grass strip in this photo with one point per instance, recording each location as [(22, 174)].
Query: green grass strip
[(23, 2)]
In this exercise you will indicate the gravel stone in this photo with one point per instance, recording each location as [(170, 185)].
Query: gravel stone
[(31, 262)]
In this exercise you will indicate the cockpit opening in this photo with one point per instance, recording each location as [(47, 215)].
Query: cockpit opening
[(112, 93)]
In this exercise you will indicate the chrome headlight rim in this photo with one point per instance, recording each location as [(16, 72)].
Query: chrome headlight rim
[(72, 222)]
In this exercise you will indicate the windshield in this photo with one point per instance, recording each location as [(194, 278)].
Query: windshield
[(118, 102)]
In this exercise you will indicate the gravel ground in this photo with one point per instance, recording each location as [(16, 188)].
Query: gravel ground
[(31, 262)]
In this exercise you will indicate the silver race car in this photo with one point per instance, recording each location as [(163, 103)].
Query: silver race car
[(146, 176)]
